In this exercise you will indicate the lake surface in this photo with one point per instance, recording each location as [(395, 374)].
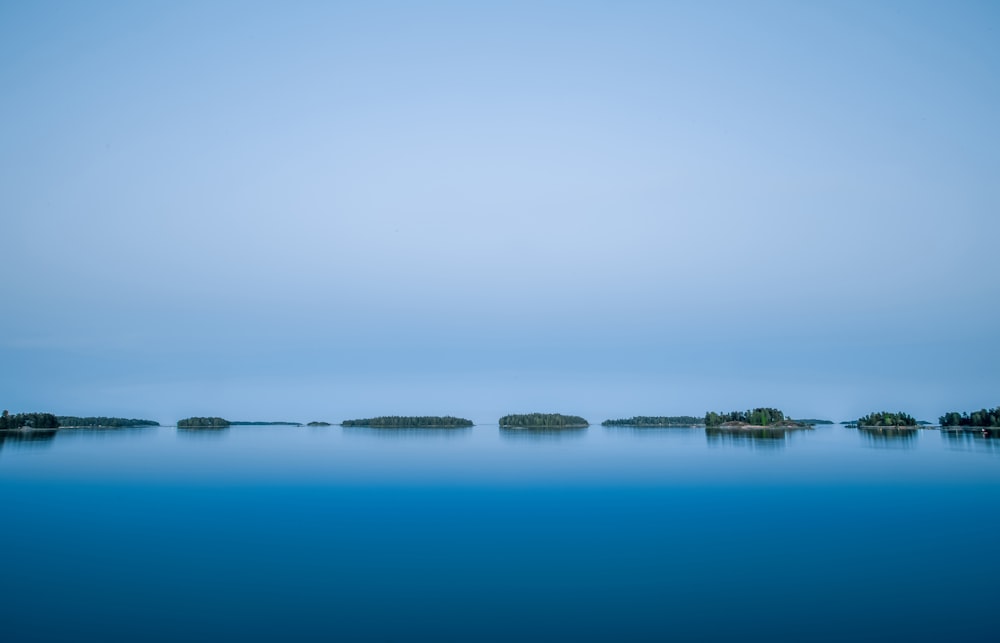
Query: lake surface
[(320, 534)]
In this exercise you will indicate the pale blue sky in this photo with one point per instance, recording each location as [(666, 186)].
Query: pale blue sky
[(340, 209)]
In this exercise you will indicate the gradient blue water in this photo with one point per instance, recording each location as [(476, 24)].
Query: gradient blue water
[(260, 533)]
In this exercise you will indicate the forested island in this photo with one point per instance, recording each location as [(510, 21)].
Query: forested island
[(656, 421), (542, 421), (407, 422), (982, 419), (314, 423), (202, 423), (74, 422), (758, 417), (884, 418), (28, 421)]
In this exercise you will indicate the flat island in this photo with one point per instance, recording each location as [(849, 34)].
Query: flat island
[(542, 421), (315, 423), (101, 422), (407, 422), (657, 421)]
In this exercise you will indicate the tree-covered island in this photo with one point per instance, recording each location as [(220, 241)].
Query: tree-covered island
[(75, 422), (753, 418), (410, 422), (202, 423), (982, 419), (656, 421), (542, 421), (317, 423), (884, 418)]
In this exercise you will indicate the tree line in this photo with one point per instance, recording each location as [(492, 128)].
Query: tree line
[(647, 420), (408, 422), (29, 420), (542, 421), (202, 423), (980, 418)]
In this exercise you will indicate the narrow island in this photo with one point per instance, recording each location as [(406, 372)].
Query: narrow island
[(657, 421), (315, 423), (758, 418), (101, 422), (203, 423), (234, 423), (884, 419), (543, 421), (408, 422)]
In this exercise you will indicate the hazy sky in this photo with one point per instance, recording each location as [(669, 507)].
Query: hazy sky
[(328, 210)]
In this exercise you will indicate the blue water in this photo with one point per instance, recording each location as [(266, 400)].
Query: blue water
[(320, 534)]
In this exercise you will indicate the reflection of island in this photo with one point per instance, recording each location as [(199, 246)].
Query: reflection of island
[(657, 421), (404, 433), (542, 421), (746, 435), (27, 437), (894, 436), (410, 422), (542, 434)]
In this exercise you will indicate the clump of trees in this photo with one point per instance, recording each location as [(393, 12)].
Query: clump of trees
[(646, 420), (101, 421), (981, 418), (406, 422), (315, 423), (542, 420), (202, 423), (28, 420), (884, 418), (762, 416)]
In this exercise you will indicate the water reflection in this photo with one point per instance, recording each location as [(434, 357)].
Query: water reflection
[(203, 432), (404, 433), (654, 430), (889, 437), (30, 438), (757, 438), (983, 440), (542, 434)]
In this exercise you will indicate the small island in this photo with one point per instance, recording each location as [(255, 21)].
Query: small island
[(981, 419), (543, 421), (657, 421), (234, 423), (409, 422), (315, 423), (202, 423), (886, 419), (761, 417)]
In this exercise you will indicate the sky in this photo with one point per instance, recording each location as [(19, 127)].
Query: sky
[(331, 210)]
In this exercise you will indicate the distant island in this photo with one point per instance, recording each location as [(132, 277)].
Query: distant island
[(74, 422), (982, 419), (542, 421), (28, 421), (812, 421), (407, 422), (886, 419), (314, 423), (656, 421), (202, 423), (234, 423), (761, 417)]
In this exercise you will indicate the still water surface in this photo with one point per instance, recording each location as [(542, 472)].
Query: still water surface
[(319, 534)]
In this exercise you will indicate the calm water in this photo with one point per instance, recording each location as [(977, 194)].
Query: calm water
[(260, 533)]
